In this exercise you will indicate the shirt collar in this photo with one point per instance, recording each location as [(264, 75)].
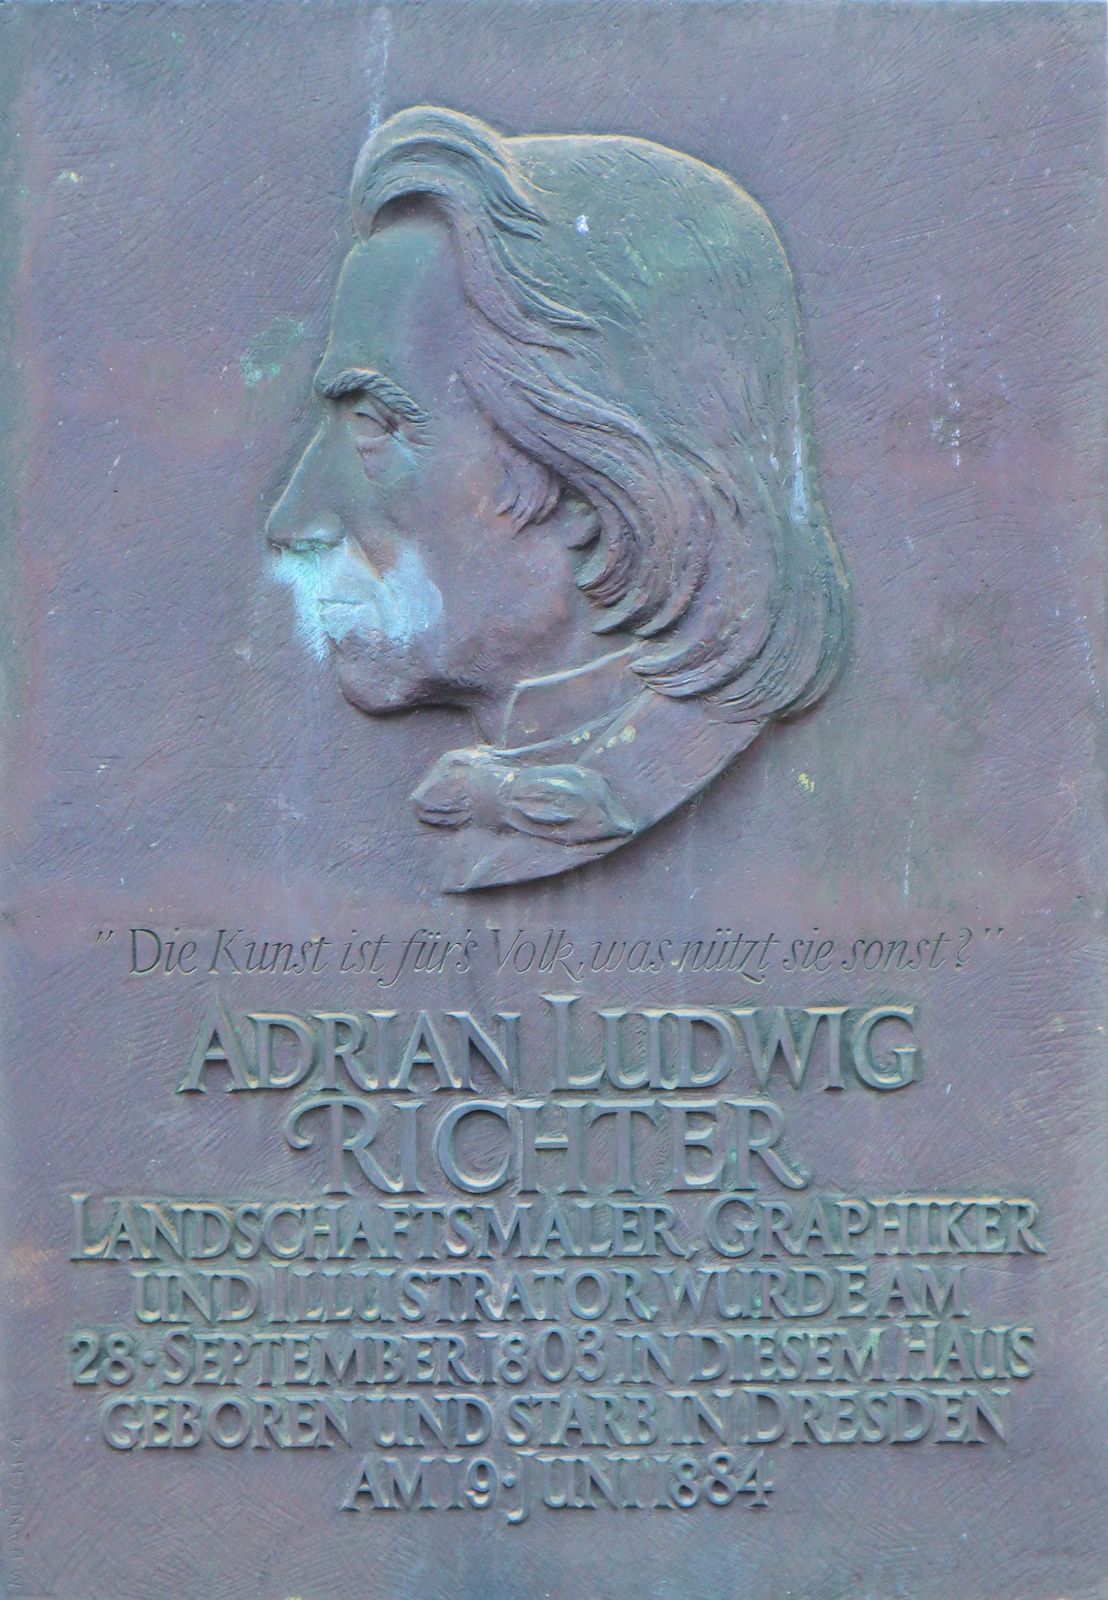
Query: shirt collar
[(545, 709)]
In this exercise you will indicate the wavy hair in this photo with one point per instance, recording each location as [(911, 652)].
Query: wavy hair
[(636, 340)]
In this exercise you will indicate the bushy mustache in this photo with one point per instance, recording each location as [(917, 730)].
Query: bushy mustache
[(337, 592)]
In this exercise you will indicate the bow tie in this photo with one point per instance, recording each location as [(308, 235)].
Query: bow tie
[(565, 804)]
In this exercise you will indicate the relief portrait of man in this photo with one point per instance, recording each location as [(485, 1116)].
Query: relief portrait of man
[(562, 479)]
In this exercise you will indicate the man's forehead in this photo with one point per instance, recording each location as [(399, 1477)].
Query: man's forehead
[(398, 303)]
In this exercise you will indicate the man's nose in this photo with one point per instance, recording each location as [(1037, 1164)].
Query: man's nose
[(301, 521)]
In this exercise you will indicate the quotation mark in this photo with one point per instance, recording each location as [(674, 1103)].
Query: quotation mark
[(103, 935)]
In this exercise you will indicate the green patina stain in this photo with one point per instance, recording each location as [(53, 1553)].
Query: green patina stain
[(268, 351)]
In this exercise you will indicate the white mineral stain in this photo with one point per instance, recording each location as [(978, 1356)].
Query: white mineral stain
[(377, 63), (337, 592)]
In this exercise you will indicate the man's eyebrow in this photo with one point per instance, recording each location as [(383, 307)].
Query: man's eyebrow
[(363, 380)]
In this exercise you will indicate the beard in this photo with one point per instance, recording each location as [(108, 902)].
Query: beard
[(338, 595), (377, 627)]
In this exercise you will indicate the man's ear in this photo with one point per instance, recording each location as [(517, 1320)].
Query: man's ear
[(576, 520), (531, 493)]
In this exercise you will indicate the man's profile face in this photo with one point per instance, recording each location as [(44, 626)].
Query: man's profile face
[(405, 570)]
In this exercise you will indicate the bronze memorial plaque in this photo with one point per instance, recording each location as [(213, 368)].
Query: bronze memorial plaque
[(553, 974)]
